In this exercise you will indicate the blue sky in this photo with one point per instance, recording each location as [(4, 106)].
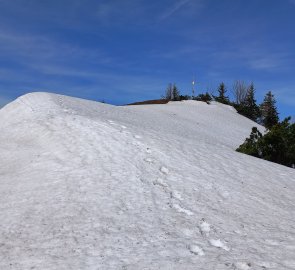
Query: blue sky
[(123, 51)]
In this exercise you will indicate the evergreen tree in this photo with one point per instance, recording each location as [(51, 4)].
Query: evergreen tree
[(251, 144), (222, 98), (184, 97), (269, 113), (175, 93), (203, 97), (249, 108), (277, 145)]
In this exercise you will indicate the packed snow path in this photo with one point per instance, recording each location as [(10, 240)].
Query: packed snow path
[(85, 185)]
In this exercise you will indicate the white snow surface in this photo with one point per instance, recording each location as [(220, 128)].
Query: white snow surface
[(85, 185)]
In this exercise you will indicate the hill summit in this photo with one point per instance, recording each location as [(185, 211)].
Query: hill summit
[(86, 185)]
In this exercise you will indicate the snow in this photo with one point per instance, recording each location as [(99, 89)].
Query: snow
[(86, 185), (218, 243), (177, 195), (164, 170), (205, 227), (243, 266), (180, 209), (196, 250)]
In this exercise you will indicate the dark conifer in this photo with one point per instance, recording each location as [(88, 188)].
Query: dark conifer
[(175, 93), (277, 145), (222, 98), (269, 113), (249, 106)]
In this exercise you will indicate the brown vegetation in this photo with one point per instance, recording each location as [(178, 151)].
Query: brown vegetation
[(150, 102)]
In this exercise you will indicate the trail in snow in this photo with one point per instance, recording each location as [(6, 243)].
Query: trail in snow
[(92, 186)]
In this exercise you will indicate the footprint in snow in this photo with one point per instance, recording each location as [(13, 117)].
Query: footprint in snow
[(204, 227), (176, 195), (149, 160), (217, 243), (148, 150), (180, 209), (242, 266), (196, 250), (271, 242), (225, 194), (160, 182), (164, 170)]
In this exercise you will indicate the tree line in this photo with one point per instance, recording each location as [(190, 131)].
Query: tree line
[(278, 142), (244, 101)]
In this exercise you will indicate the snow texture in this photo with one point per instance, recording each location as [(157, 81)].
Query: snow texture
[(217, 243), (86, 185), (243, 266), (196, 250), (205, 227)]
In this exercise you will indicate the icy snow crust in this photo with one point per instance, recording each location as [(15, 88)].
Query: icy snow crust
[(85, 185)]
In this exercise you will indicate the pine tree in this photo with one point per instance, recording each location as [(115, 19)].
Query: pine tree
[(249, 107), (204, 97), (269, 113), (251, 146), (277, 145), (222, 98), (175, 93)]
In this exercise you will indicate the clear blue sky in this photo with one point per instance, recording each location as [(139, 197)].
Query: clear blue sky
[(122, 51)]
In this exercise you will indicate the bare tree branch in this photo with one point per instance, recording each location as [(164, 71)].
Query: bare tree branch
[(240, 90)]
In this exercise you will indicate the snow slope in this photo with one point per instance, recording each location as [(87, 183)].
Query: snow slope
[(85, 185)]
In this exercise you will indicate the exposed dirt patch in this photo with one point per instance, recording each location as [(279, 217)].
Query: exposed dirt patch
[(154, 101)]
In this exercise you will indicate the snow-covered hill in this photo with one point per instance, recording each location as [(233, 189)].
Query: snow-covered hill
[(85, 185)]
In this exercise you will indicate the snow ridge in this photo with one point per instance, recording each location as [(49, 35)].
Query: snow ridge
[(85, 185)]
